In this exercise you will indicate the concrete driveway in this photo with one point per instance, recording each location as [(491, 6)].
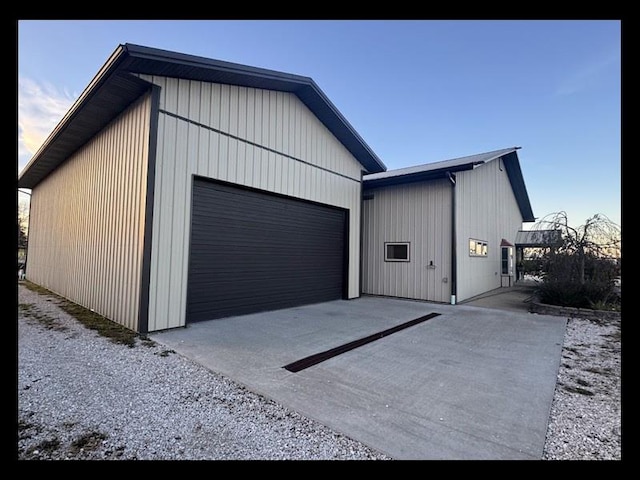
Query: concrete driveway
[(471, 383)]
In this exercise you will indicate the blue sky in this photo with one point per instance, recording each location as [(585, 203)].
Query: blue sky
[(417, 91)]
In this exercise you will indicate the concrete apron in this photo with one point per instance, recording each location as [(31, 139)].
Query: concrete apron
[(472, 383)]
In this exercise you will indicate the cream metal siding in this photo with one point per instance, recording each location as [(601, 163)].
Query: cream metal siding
[(258, 138), (86, 229), (419, 213), (486, 209)]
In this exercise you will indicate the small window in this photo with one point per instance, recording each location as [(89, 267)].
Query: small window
[(478, 248), (507, 261), (396, 252)]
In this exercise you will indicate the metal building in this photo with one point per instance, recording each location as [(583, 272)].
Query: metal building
[(179, 188), (444, 231)]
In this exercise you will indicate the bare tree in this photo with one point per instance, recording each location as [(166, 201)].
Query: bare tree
[(598, 237), (23, 223)]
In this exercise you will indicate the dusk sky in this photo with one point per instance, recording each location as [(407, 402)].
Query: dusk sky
[(417, 91)]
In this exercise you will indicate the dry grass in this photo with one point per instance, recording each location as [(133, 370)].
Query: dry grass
[(88, 441), (105, 327), (34, 313)]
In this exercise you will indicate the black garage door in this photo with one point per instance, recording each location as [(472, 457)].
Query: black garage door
[(252, 251)]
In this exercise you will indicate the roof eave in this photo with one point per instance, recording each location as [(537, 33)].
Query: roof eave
[(416, 176), (514, 172), (109, 66), (512, 166), (129, 58)]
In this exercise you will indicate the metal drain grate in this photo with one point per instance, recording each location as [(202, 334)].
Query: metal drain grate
[(326, 355)]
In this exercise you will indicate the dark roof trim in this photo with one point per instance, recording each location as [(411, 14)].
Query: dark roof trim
[(62, 142), (512, 165), (155, 61), (455, 164), (415, 177), (113, 88), (438, 170)]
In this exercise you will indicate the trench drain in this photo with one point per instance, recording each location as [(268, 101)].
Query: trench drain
[(312, 360)]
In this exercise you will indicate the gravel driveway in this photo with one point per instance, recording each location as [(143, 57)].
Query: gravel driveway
[(82, 396)]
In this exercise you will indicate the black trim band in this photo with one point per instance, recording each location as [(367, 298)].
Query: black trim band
[(248, 142), (145, 284), (454, 254), (326, 355)]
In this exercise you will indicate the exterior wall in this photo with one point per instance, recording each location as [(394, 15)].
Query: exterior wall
[(419, 213), (486, 209), (257, 138), (86, 228)]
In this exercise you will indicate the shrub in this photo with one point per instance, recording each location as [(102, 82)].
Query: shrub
[(562, 283), (532, 266), (594, 295)]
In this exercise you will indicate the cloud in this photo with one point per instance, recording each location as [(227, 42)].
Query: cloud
[(588, 75), (40, 107)]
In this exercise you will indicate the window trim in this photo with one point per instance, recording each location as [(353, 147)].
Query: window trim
[(484, 245), (394, 260), (509, 260)]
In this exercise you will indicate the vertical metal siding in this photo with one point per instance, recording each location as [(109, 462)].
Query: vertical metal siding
[(486, 209), (418, 213), (280, 125), (86, 230)]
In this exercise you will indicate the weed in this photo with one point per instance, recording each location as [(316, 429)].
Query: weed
[(31, 311), (105, 327), (50, 323), (600, 371), (23, 425), (37, 288), (26, 429), (147, 342), (606, 305), (88, 441), (46, 446), (582, 382), (580, 390), (615, 336), (166, 353)]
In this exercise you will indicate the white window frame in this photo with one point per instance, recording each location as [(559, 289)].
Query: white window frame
[(481, 248), (509, 259), (386, 251)]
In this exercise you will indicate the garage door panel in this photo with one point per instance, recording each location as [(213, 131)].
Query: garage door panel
[(268, 258), (253, 251), (256, 277), (262, 301), (257, 240)]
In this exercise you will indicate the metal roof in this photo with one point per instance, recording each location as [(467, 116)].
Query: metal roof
[(434, 170), (454, 164), (114, 88), (538, 238)]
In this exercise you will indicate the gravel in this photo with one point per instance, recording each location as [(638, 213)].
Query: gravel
[(83, 397), (585, 420)]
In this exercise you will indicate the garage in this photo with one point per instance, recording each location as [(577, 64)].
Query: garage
[(253, 251), (197, 189)]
